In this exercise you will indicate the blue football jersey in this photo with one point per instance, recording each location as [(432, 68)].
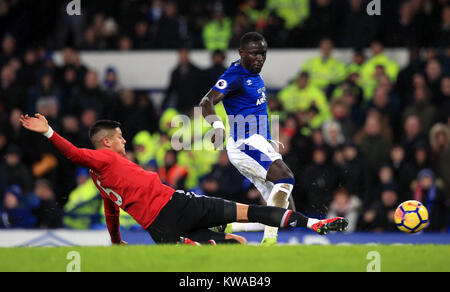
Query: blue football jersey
[(245, 102)]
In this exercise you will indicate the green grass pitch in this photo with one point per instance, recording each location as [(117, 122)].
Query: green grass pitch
[(227, 258)]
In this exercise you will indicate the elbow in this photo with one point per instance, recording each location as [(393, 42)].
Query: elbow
[(205, 100)]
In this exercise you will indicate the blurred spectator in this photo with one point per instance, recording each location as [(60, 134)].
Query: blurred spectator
[(15, 211), (256, 13), (301, 95), (70, 87), (353, 173), (217, 68), (133, 118), (405, 85), (345, 205), (111, 83), (69, 28), (358, 60), (323, 21), (444, 115), (440, 153), (91, 41), (171, 173), (293, 12), (242, 25), (187, 85), (14, 131), (146, 117), (422, 108), (91, 96), (8, 49), (70, 129), (385, 178), (325, 69), (380, 216), (28, 75), (125, 43), (3, 143), (410, 29), (109, 34), (373, 145), (141, 37), (381, 105), (11, 92), (171, 28), (45, 89), (358, 29), (444, 29), (433, 75), (332, 133), (274, 32), (83, 206), (16, 172), (404, 172), (224, 181), (47, 212), (289, 156), (217, 33), (427, 192), (156, 11), (290, 126), (72, 60), (341, 114), (317, 181), (413, 136), (88, 117), (378, 60)]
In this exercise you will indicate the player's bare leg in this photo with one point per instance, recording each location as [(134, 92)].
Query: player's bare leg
[(283, 179)]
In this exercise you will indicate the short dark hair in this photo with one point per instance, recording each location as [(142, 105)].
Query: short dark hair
[(102, 125), (250, 37)]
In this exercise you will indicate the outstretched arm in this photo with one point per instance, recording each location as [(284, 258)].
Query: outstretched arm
[(92, 159), (112, 214), (208, 102)]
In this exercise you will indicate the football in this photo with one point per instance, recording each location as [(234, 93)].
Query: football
[(411, 217)]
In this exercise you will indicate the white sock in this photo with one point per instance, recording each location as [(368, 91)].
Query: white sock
[(279, 197), (246, 227)]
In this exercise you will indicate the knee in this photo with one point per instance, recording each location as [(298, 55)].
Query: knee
[(289, 179), (280, 171)]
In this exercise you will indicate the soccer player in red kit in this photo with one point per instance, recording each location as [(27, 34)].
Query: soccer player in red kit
[(165, 213)]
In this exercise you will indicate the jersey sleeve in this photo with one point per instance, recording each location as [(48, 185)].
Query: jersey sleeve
[(227, 82), (92, 159), (112, 215)]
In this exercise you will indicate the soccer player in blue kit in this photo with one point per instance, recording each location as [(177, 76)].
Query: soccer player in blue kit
[(243, 93)]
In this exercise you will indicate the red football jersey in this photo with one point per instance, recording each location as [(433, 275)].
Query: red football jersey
[(122, 183)]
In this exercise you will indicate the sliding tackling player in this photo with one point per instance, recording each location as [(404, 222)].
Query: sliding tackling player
[(165, 213)]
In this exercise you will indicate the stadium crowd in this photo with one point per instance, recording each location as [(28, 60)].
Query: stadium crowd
[(360, 137)]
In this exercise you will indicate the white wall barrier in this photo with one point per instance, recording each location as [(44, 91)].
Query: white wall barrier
[(59, 237), (151, 69), (23, 238)]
